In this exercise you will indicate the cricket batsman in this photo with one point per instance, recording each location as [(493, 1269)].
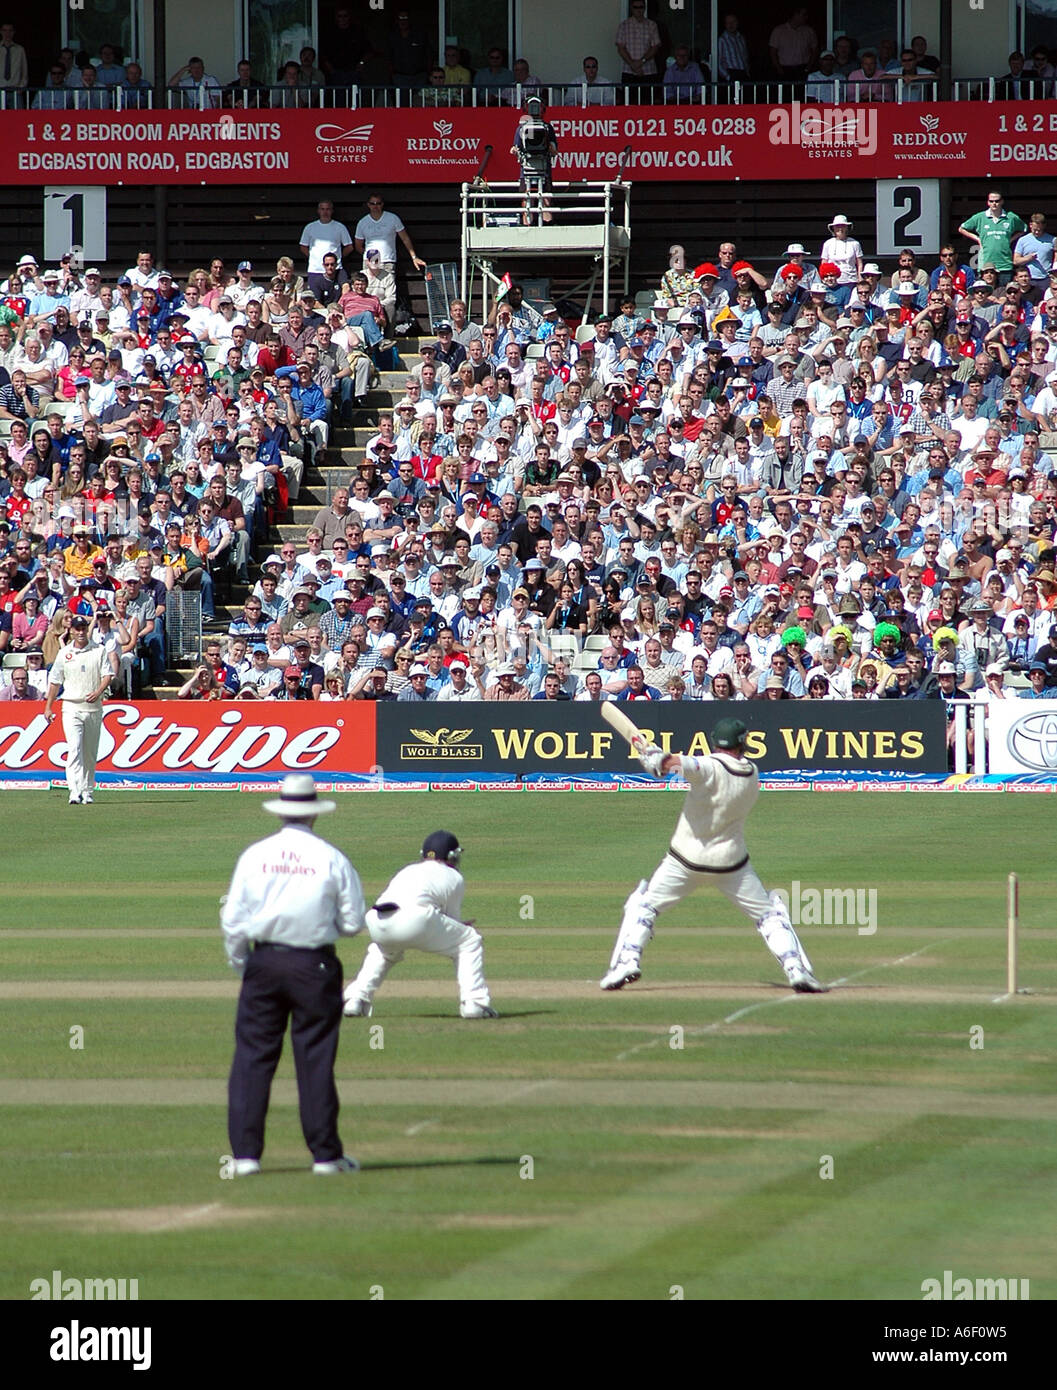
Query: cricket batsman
[(709, 847)]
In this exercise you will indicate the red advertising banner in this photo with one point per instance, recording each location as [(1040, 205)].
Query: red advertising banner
[(445, 145), (199, 740)]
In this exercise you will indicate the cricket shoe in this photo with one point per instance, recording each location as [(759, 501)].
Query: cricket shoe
[(345, 1164), (75, 801), (355, 1007), (87, 799), (246, 1167), (801, 979), (627, 970), (478, 1011)]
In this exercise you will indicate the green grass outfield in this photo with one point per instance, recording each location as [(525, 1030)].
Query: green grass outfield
[(653, 1165)]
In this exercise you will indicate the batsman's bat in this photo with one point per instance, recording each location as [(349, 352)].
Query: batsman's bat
[(619, 722)]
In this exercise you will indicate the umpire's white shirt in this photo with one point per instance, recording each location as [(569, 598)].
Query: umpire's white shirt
[(293, 889), (710, 832), (80, 671)]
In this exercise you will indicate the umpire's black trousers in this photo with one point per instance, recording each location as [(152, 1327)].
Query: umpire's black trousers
[(303, 986)]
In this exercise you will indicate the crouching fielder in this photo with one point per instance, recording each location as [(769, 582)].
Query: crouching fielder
[(709, 847), (420, 908)]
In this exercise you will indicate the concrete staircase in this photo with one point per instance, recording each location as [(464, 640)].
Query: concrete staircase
[(345, 452)]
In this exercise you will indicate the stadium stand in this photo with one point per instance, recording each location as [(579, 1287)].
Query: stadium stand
[(804, 474)]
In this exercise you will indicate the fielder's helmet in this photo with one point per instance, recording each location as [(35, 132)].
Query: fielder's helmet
[(729, 733), (443, 846)]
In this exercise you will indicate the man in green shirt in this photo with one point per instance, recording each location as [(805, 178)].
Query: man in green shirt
[(993, 231)]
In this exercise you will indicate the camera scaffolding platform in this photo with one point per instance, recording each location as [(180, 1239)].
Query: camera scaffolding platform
[(591, 221)]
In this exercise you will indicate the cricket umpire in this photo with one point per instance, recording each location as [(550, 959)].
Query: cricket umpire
[(709, 847), (291, 896), (83, 674)]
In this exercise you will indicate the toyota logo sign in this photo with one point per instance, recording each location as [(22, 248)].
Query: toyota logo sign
[(1032, 741)]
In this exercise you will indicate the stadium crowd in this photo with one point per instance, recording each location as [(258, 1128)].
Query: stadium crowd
[(831, 481), (643, 61)]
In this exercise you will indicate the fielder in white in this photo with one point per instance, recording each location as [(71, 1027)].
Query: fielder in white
[(709, 847), (420, 907), (83, 674)]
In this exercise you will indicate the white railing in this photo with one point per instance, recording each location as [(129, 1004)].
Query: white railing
[(825, 91)]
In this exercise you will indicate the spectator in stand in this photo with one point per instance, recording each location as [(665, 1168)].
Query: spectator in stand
[(108, 71), (683, 79), (993, 231), (292, 93), (14, 70), (600, 91), (793, 47), (523, 74), (200, 90), (847, 61), (638, 42), (245, 91), (925, 60), (375, 239), (55, 95), (491, 80), (1035, 250), (342, 48), (456, 74), (732, 53), (310, 75), (135, 90), (438, 93), (91, 96), (1015, 84), (868, 82), (410, 54), (825, 83), (1043, 72), (843, 250), (911, 82)]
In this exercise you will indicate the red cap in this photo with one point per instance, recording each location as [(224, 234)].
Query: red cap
[(791, 272), (739, 266), (935, 616), (706, 268), (828, 268)]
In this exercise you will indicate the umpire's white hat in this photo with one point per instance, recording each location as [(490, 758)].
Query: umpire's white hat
[(298, 799)]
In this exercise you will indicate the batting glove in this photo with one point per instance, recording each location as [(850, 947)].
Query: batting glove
[(651, 757)]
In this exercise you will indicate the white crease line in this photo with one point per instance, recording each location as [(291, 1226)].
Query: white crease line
[(194, 1214), (769, 1003), (417, 1129), (526, 1090), (885, 965)]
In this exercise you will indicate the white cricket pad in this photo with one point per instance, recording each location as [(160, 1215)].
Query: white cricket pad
[(636, 926)]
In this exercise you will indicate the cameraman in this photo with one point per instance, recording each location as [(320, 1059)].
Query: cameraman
[(535, 145)]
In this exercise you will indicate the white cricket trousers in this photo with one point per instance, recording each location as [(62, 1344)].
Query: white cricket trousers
[(82, 723), (392, 932), (673, 881)]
